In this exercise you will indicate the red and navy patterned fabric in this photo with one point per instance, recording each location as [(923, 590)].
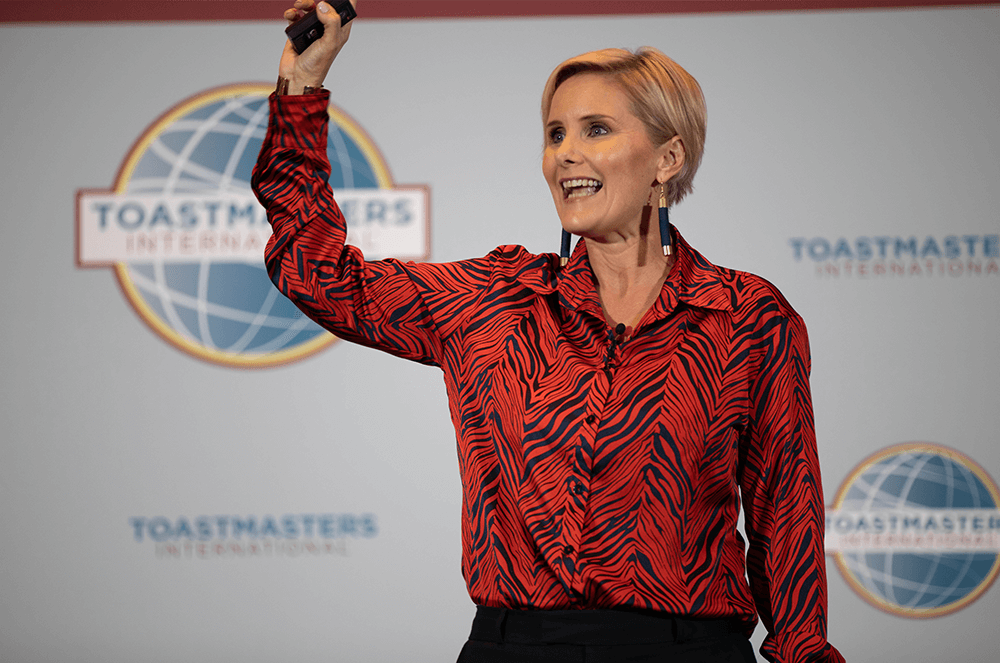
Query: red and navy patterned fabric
[(597, 471)]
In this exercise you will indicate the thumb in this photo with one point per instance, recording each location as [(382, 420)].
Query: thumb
[(327, 15), (334, 33)]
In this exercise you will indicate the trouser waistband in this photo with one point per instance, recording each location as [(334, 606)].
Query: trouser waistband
[(591, 627)]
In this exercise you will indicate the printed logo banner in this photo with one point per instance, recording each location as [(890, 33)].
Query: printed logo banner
[(888, 257), (915, 530), (185, 236)]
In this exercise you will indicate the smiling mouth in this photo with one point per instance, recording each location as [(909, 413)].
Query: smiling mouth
[(580, 188)]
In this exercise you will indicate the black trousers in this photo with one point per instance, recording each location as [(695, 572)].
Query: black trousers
[(500, 635)]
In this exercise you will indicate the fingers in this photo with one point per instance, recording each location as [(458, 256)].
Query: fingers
[(298, 10), (324, 11)]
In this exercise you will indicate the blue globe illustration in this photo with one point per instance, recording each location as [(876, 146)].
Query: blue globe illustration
[(919, 582), (228, 309)]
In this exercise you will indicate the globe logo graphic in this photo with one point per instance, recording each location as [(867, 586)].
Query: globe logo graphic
[(227, 311), (923, 486)]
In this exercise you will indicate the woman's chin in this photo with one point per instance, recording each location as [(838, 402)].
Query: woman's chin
[(577, 226), (586, 230)]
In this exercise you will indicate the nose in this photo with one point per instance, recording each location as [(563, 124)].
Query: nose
[(566, 152)]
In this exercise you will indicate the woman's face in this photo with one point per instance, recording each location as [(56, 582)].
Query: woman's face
[(599, 161)]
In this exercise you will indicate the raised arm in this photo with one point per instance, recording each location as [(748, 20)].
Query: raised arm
[(406, 309)]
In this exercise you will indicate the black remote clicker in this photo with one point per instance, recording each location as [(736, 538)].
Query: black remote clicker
[(308, 29)]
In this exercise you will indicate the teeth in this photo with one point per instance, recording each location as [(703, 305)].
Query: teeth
[(572, 184), (580, 187)]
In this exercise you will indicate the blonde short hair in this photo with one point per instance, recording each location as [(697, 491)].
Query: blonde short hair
[(667, 99)]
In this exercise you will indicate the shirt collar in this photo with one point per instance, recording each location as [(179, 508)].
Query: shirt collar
[(696, 281), (693, 280)]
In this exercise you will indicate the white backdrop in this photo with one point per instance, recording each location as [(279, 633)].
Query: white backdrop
[(821, 125)]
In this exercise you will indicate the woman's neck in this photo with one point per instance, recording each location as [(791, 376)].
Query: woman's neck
[(630, 274)]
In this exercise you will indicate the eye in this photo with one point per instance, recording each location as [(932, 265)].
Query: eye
[(556, 134), (598, 129)]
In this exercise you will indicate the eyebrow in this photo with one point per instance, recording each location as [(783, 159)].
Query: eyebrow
[(585, 118)]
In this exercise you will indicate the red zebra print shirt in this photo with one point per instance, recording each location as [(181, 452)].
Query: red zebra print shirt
[(595, 473)]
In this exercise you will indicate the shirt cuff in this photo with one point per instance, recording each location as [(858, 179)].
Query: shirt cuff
[(800, 648), (299, 121)]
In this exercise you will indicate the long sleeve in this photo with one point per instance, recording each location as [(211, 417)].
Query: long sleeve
[(406, 309), (783, 495)]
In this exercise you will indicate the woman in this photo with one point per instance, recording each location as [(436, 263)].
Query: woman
[(610, 407)]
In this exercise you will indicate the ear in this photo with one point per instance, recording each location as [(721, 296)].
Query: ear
[(671, 159)]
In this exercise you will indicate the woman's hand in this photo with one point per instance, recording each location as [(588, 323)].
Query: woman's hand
[(310, 67)]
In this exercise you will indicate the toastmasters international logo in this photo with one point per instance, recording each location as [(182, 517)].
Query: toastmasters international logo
[(185, 236), (252, 536), (889, 257), (915, 530)]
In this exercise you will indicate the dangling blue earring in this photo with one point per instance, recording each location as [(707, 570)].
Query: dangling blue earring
[(564, 249), (664, 222)]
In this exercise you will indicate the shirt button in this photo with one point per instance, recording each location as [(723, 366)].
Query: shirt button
[(591, 418), (568, 550), (578, 489)]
